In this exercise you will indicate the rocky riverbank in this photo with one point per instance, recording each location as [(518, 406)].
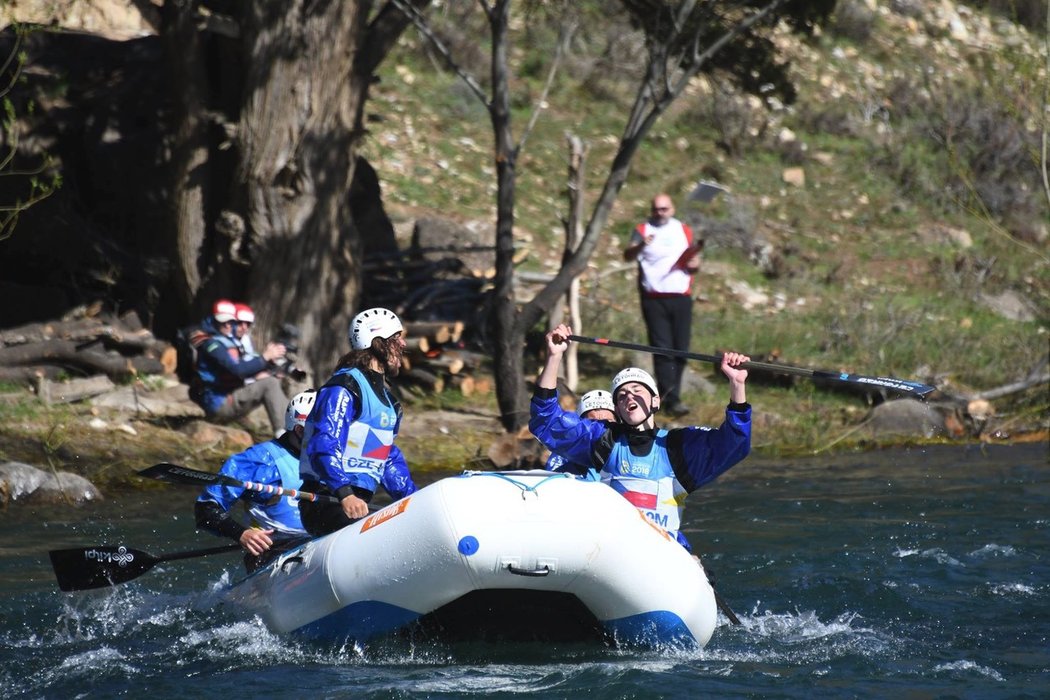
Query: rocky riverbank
[(81, 451)]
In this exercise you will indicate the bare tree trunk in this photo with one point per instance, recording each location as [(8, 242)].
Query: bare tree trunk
[(573, 233), (292, 78), (508, 332), (184, 57)]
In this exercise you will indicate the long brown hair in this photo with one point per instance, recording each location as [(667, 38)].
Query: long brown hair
[(384, 350)]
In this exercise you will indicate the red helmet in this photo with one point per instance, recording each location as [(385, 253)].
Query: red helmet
[(244, 313), (224, 311)]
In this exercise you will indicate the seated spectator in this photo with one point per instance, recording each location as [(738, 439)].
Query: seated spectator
[(222, 368), (245, 318)]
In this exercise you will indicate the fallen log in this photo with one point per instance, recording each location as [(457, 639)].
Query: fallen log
[(471, 360), (27, 375), (438, 331), (418, 344), (423, 379), (442, 363), (81, 330), (68, 354), (51, 392), (464, 383)]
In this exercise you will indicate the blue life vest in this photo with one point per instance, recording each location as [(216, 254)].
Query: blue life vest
[(647, 481), (215, 381), (369, 437), (267, 463)]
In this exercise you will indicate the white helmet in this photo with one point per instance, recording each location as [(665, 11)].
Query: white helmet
[(373, 323), (298, 409), (595, 400), (634, 374)]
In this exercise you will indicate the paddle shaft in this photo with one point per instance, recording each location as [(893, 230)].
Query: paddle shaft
[(724, 607), (901, 385), (195, 553), (173, 473)]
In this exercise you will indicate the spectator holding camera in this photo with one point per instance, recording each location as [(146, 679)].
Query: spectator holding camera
[(222, 368), (245, 317)]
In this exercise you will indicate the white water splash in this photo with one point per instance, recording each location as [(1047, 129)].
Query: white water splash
[(970, 666), (798, 638), (994, 550), (941, 557), (801, 626), (1013, 589)]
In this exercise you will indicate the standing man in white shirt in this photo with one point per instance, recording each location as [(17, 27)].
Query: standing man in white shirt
[(668, 256)]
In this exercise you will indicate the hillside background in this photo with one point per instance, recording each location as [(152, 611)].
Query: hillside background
[(893, 220)]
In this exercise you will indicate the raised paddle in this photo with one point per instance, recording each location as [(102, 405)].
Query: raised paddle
[(174, 474), (902, 386), (98, 567)]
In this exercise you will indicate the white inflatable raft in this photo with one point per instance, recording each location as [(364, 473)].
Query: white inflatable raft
[(532, 552)]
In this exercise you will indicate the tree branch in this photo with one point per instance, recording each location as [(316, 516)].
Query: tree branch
[(646, 110), (700, 59), (421, 25), (383, 31), (565, 34)]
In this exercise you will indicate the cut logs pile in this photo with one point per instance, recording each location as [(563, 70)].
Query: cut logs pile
[(435, 360), (85, 343), (424, 285)]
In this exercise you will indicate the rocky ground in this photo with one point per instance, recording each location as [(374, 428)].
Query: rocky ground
[(86, 450)]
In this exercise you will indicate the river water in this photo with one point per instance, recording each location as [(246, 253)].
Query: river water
[(916, 573)]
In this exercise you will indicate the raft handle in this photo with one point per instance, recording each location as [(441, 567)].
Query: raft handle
[(541, 571), (290, 560)]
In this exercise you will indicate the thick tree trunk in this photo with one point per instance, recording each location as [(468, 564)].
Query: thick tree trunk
[(185, 64), (296, 138)]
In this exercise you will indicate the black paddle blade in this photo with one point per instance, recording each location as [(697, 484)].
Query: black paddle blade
[(98, 567), (174, 474), (901, 386)]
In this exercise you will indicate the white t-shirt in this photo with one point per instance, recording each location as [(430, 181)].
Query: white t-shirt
[(662, 263)]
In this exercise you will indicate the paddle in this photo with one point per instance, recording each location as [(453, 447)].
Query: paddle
[(900, 385), (98, 567), (724, 607), (174, 474)]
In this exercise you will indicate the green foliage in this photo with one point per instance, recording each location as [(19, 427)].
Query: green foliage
[(27, 179), (967, 147)]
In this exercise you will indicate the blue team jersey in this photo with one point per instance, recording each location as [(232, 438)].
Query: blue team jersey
[(267, 463)]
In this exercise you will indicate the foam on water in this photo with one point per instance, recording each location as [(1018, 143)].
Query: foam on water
[(964, 668)]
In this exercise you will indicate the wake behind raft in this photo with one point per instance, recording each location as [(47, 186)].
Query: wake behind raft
[(521, 555)]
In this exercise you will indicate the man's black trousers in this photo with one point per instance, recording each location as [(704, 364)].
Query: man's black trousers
[(669, 323)]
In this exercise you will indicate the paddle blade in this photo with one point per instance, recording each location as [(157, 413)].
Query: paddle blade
[(901, 386), (174, 474), (98, 567)]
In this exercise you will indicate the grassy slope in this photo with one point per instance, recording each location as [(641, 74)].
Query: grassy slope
[(863, 289)]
